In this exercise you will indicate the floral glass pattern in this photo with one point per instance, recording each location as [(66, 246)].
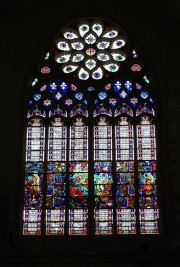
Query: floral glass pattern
[(89, 46)]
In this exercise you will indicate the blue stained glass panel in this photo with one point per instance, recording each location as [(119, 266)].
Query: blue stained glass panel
[(125, 190), (147, 166), (56, 167), (37, 97), (64, 86), (102, 166), (128, 85), (34, 167), (102, 190), (90, 89), (113, 102), (58, 96), (103, 202), (78, 202), (125, 202), (79, 96), (124, 178), (78, 178), (47, 103), (102, 95), (134, 101), (123, 94), (144, 94), (117, 86), (125, 166), (78, 167), (147, 178), (52, 87), (148, 202), (103, 178), (56, 178)]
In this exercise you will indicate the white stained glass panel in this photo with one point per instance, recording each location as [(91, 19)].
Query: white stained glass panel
[(146, 154), (57, 132), (57, 135), (32, 215), (147, 227), (78, 215), (78, 222), (102, 141), (126, 221), (34, 155), (55, 144), (124, 143), (32, 222), (55, 222), (102, 144), (126, 227), (55, 215), (32, 228), (146, 131), (78, 155), (56, 155), (124, 154), (124, 131), (126, 215), (103, 215), (78, 142), (35, 132), (103, 155), (148, 214), (77, 226), (35, 144), (35, 141), (104, 228), (102, 131), (55, 226), (78, 132), (146, 143), (104, 225), (103, 221)]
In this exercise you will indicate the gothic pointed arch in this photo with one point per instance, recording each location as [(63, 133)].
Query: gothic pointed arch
[(91, 142)]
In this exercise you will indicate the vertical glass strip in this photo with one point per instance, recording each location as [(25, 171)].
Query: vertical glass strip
[(78, 177), (34, 174), (56, 178), (103, 179), (147, 177), (125, 188)]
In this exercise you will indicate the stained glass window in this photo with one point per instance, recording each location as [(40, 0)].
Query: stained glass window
[(78, 177), (103, 180), (91, 153), (56, 177), (125, 184)]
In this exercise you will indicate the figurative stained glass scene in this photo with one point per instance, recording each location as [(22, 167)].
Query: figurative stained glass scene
[(91, 144)]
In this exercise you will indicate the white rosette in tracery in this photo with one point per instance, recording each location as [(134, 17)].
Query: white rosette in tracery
[(91, 50)]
